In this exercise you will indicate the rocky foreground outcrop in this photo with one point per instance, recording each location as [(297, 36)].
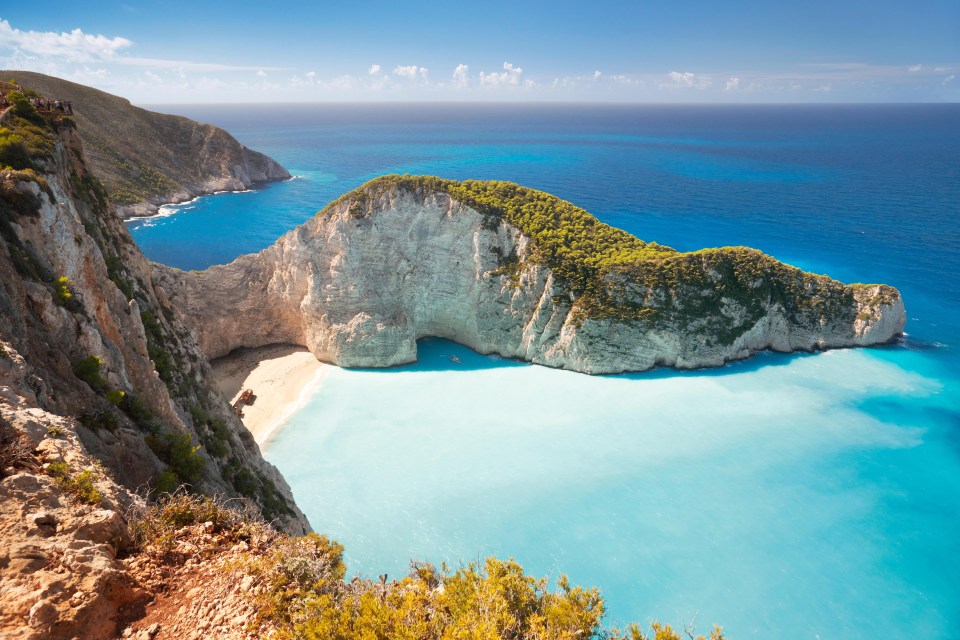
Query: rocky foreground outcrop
[(508, 270), (146, 159)]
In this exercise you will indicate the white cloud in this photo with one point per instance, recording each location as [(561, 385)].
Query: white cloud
[(75, 46), (733, 84), (461, 76), (261, 73), (510, 76), (824, 88), (626, 80), (374, 70), (686, 80), (597, 74), (915, 68), (949, 78), (411, 72)]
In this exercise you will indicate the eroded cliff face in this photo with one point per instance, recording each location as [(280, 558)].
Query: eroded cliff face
[(146, 159), (85, 335), (362, 281)]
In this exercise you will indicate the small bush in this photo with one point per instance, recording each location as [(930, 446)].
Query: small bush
[(88, 370), (14, 451), (80, 485), (162, 360), (166, 483), (23, 108), (158, 523), (13, 151), (102, 417), (65, 297), (178, 451), (139, 413)]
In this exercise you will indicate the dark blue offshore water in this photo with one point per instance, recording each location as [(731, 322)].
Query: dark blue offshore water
[(828, 500)]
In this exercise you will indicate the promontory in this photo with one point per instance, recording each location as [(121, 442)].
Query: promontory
[(512, 271), (146, 159)]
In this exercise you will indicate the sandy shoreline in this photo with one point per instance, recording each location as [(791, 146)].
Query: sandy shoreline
[(282, 377)]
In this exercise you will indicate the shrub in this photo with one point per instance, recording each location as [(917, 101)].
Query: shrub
[(80, 485), (157, 523), (13, 151), (88, 370), (178, 451), (14, 451), (23, 108), (64, 294), (101, 417), (115, 271), (162, 360), (166, 483)]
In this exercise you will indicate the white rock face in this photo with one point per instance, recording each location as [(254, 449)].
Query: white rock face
[(359, 292)]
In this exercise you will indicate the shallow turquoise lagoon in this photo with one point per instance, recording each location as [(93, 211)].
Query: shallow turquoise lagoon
[(769, 495)]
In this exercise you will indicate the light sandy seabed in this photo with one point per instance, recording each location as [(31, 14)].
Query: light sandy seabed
[(282, 378)]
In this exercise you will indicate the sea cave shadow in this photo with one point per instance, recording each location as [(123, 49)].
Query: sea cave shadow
[(443, 355)]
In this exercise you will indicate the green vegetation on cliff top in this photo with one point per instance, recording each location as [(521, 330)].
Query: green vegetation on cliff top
[(612, 274)]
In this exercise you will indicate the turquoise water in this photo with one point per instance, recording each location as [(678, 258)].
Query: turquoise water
[(795, 496)]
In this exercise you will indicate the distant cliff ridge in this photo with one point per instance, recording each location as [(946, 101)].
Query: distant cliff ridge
[(509, 270), (146, 159)]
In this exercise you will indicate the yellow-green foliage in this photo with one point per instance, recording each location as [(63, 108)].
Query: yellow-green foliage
[(612, 274), (34, 134), (88, 370), (64, 294), (13, 150), (140, 183), (81, 485), (177, 450), (306, 597)]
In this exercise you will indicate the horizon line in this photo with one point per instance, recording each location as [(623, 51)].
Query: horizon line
[(541, 103)]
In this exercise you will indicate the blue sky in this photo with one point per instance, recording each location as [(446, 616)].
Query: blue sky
[(162, 51)]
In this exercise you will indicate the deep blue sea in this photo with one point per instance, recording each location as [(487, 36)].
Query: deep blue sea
[(804, 496)]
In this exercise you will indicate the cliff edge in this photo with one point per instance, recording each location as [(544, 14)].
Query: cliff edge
[(145, 159), (508, 270)]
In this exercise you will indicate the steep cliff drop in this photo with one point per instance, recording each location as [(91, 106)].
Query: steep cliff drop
[(146, 159), (105, 397), (512, 271)]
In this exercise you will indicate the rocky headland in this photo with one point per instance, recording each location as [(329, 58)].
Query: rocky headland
[(508, 270), (146, 159)]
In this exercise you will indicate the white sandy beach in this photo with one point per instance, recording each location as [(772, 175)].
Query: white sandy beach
[(282, 377)]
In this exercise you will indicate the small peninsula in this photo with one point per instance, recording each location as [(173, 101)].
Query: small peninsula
[(509, 270)]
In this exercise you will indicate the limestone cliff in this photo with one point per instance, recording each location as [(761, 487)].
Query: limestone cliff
[(146, 159), (85, 334), (512, 271)]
